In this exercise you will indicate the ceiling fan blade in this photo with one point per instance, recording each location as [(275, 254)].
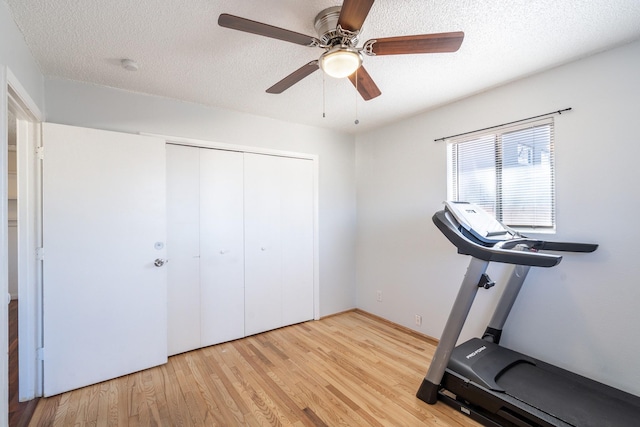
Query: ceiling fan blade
[(365, 84), (424, 43), (294, 77), (353, 13), (254, 27)]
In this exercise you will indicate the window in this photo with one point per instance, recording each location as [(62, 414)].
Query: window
[(509, 172)]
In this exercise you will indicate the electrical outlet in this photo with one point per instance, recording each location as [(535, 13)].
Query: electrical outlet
[(418, 320), (379, 296)]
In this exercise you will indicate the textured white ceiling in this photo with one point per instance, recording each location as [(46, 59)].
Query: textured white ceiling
[(184, 54)]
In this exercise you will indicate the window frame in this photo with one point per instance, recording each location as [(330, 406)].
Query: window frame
[(497, 133)]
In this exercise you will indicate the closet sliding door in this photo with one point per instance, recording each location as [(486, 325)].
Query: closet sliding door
[(296, 198), (263, 216), (205, 247), (278, 242), (183, 248), (221, 246)]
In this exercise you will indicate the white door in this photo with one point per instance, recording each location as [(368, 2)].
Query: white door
[(221, 246), (183, 248), (205, 246), (278, 242), (263, 294), (104, 224), (297, 239)]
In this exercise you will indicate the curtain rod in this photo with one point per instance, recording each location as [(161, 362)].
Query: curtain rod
[(504, 124)]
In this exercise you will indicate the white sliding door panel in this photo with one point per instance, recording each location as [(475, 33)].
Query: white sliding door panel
[(221, 246), (104, 224), (263, 293), (296, 200), (183, 248), (279, 241)]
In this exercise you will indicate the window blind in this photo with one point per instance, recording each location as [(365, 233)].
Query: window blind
[(509, 172)]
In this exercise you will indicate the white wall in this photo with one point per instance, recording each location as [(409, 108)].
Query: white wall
[(581, 314), (99, 107), (15, 54)]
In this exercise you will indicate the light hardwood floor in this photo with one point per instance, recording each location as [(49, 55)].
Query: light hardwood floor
[(351, 369), (19, 412)]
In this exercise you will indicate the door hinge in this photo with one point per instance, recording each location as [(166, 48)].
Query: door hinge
[(40, 254), (40, 152), (40, 353)]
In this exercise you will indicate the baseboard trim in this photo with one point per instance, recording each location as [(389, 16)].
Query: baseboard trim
[(425, 337), (338, 313)]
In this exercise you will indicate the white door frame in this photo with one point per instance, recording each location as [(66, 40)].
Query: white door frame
[(259, 150), (4, 241), (14, 98)]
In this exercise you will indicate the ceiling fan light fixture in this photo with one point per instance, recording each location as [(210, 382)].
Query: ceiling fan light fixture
[(340, 61)]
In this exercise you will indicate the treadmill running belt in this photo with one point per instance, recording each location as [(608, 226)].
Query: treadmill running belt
[(573, 399)]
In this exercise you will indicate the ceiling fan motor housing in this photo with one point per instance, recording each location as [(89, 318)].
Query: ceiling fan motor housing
[(326, 24)]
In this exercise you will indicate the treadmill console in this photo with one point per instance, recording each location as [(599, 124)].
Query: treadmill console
[(474, 232), (479, 222)]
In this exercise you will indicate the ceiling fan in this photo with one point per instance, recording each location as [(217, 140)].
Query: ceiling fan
[(338, 28)]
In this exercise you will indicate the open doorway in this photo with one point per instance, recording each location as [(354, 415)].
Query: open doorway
[(23, 239), (19, 412)]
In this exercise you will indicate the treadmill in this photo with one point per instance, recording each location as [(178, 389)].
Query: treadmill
[(494, 385)]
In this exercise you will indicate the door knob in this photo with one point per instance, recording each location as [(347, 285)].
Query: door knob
[(160, 262)]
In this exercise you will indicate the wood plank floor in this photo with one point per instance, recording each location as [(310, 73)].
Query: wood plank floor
[(351, 369), (19, 412)]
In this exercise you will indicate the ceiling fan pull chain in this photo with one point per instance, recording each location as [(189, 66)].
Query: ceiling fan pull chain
[(324, 103), (356, 121)]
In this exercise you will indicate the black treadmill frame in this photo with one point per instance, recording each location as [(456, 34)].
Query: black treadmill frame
[(490, 407)]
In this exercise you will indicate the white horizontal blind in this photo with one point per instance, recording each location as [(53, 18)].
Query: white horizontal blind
[(476, 172), (509, 172)]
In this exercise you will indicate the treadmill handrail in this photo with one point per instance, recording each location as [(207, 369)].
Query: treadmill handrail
[(565, 246), (540, 245), (447, 225)]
